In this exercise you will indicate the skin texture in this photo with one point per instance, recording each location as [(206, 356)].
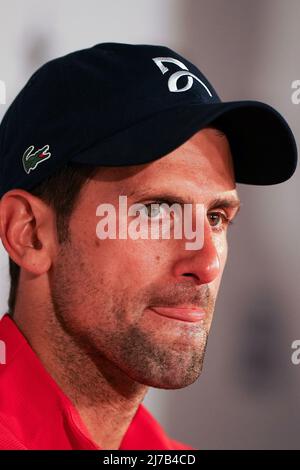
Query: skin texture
[(84, 306)]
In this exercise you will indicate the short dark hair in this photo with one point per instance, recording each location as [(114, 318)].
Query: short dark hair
[(60, 191)]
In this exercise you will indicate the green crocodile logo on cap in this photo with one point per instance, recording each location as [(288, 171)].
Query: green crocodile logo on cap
[(31, 160)]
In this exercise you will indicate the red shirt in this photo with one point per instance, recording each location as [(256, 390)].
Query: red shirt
[(36, 414)]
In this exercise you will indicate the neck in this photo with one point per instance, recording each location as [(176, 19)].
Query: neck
[(105, 397)]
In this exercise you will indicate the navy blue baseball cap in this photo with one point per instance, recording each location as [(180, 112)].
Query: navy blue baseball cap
[(120, 104)]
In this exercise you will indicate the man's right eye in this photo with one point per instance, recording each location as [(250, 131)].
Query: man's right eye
[(155, 210)]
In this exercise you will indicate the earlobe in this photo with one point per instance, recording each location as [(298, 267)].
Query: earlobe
[(35, 264)]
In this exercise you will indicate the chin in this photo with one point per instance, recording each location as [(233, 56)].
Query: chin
[(170, 380)]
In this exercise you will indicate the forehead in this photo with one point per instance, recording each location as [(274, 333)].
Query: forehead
[(204, 159), (202, 164)]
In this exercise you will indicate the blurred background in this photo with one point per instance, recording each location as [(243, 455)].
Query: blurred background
[(248, 396)]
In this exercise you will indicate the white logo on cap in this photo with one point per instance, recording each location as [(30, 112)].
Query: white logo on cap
[(172, 83)]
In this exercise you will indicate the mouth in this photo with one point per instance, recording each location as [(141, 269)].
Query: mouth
[(188, 314)]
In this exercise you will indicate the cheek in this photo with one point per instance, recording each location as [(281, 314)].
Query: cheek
[(144, 259), (126, 261), (221, 245), (222, 250)]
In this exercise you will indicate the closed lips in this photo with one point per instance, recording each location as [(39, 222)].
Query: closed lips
[(181, 313)]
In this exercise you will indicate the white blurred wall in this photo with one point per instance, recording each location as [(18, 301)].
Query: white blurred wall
[(248, 395)]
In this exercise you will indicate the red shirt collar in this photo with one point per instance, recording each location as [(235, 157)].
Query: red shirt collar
[(36, 414)]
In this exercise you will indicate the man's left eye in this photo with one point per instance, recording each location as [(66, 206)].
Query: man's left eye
[(219, 220)]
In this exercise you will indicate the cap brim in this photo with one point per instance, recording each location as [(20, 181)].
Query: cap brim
[(262, 144)]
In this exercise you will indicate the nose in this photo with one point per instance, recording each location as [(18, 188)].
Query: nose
[(202, 265)]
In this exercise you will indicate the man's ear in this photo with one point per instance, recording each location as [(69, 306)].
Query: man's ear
[(28, 232)]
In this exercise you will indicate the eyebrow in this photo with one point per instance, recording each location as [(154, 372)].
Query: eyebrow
[(226, 202)]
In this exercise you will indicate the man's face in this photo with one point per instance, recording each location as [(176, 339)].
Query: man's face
[(105, 292)]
